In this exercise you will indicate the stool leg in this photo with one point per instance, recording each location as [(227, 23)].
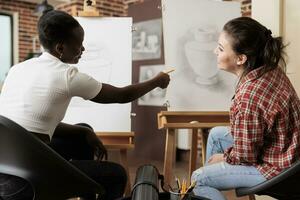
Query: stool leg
[(169, 155), (193, 152), (204, 136)]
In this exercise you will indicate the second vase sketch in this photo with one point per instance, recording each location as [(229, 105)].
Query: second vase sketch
[(200, 54)]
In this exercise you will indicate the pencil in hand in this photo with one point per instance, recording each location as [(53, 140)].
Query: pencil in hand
[(167, 71)]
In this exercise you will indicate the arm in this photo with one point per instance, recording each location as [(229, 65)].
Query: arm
[(247, 132), (112, 94)]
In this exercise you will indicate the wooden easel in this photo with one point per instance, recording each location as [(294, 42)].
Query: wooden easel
[(199, 122), (89, 9), (121, 141), (172, 120)]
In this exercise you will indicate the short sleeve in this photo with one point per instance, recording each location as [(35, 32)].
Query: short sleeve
[(82, 85)]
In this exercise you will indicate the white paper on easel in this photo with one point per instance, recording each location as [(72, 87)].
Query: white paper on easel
[(107, 58), (189, 40)]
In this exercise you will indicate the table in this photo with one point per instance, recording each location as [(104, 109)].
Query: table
[(121, 141), (195, 120)]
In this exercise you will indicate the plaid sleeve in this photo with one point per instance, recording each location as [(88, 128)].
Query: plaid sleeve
[(247, 131)]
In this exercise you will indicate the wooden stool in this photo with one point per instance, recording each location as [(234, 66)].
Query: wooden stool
[(172, 120), (121, 141)]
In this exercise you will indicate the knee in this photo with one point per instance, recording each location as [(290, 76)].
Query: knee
[(83, 145), (198, 176), (85, 125), (217, 133), (84, 130), (119, 172)]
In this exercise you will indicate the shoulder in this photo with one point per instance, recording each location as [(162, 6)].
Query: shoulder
[(71, 70), (28, 62), (251, 96), (22, 67), (81, 84), (266, 93), (73, 75)]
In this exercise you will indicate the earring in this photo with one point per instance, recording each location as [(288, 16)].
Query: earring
[(60, 57)]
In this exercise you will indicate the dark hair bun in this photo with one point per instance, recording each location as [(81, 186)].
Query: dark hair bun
[(47, 10)]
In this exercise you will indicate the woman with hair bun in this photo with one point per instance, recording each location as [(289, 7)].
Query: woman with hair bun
[(264, 132)]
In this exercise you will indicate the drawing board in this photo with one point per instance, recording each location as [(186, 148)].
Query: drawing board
[(107, 58), (190, 40)]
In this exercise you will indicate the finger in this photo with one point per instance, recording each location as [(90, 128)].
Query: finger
[(209, 160)]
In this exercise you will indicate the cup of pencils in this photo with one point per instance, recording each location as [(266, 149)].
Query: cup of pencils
[(183, 190)]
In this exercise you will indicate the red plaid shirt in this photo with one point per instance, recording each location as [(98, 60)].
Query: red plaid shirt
[(265, 123)]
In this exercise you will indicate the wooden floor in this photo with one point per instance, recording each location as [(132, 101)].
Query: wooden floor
[(181, 171)]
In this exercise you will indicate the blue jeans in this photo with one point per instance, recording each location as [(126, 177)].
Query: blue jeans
[(211, 179)]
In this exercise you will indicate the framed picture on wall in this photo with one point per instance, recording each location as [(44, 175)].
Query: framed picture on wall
[(146, 40), (148, 60)]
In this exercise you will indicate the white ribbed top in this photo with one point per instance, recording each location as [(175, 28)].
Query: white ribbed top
[(37, 92)]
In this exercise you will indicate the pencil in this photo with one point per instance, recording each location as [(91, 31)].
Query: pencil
[(188, 191), (178, 183), (183, 187), (167, 71)]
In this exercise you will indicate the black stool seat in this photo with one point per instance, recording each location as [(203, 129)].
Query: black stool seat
[(50, 175), (284, 186)]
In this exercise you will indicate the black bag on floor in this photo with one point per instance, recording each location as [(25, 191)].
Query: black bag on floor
[(146, 186)]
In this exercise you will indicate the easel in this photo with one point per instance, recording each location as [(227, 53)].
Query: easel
[(89, 9), (121, 141), (198, 122), (172, 120)]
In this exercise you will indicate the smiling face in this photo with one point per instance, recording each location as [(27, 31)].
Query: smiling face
[(227, 59), (72, 48)]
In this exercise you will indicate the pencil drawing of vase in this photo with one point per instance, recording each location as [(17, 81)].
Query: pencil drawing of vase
[(200, 55)]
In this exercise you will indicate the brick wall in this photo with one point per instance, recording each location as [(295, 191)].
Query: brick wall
[(72, 7), (27, 24), (245, 7), (105, 7), (28, 21), (120, 7)]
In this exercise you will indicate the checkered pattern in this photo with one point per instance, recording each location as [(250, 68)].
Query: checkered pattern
[(265, 123)]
